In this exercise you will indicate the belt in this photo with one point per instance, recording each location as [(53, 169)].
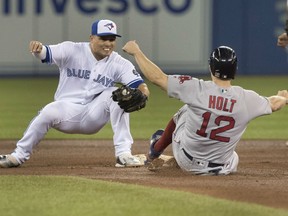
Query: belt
[(210, 164)]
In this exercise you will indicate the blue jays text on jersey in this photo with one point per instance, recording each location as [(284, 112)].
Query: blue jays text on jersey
[(85, 74)]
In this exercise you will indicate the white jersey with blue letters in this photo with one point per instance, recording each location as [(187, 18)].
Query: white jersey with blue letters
[(83, 102), (82, 76)]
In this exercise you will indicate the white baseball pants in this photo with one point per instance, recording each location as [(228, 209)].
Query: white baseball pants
[(74, 118)]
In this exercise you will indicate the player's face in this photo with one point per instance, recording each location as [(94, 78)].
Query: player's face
[(102, 47)]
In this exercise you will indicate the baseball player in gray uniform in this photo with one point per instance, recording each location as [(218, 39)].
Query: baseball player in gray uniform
[(205, 131), (83, 102)]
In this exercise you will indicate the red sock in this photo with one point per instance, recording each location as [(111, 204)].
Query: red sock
[(166, 138)]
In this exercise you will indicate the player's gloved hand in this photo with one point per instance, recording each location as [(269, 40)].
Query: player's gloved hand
[(152, 154), (129, 99)]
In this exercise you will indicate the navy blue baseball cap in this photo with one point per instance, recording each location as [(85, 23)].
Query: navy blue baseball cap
[(104, 28)]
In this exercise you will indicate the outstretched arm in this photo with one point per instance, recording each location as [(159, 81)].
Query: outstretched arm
[(278, 101), (150, 70)]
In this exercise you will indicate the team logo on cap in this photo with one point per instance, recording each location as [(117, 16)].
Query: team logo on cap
[(109, 26)]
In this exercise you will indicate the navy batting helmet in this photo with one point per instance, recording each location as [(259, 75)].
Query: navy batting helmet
[(223, 63)]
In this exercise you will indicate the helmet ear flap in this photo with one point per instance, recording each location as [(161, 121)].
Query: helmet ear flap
[(211, 66)]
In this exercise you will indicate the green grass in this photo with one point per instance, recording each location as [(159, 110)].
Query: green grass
[(22, 98), (46, 195), (273, 126)]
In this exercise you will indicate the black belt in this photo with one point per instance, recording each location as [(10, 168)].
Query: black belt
[(210, 164)]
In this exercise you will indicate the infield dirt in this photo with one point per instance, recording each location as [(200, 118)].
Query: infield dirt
[(262, 175)]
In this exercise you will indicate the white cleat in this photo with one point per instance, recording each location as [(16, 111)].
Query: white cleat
[(128, 160), (8, 161)]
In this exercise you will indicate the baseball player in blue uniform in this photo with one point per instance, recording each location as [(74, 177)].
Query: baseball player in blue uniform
[(205, 131), (88, 72)]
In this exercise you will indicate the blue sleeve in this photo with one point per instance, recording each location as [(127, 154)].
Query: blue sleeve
[(48, 58), (136, 84)]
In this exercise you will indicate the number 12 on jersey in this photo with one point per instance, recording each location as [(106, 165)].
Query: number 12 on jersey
[(214, 133)]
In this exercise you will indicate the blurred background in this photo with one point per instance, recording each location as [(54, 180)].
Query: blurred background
[(176, 34)]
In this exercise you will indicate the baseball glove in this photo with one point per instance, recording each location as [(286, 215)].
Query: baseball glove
[(129, 99)]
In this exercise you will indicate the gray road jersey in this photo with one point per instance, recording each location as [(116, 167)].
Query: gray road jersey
[(216, 117)]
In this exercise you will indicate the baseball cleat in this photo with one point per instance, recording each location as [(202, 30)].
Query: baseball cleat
[(8, 161), (128, 160)]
